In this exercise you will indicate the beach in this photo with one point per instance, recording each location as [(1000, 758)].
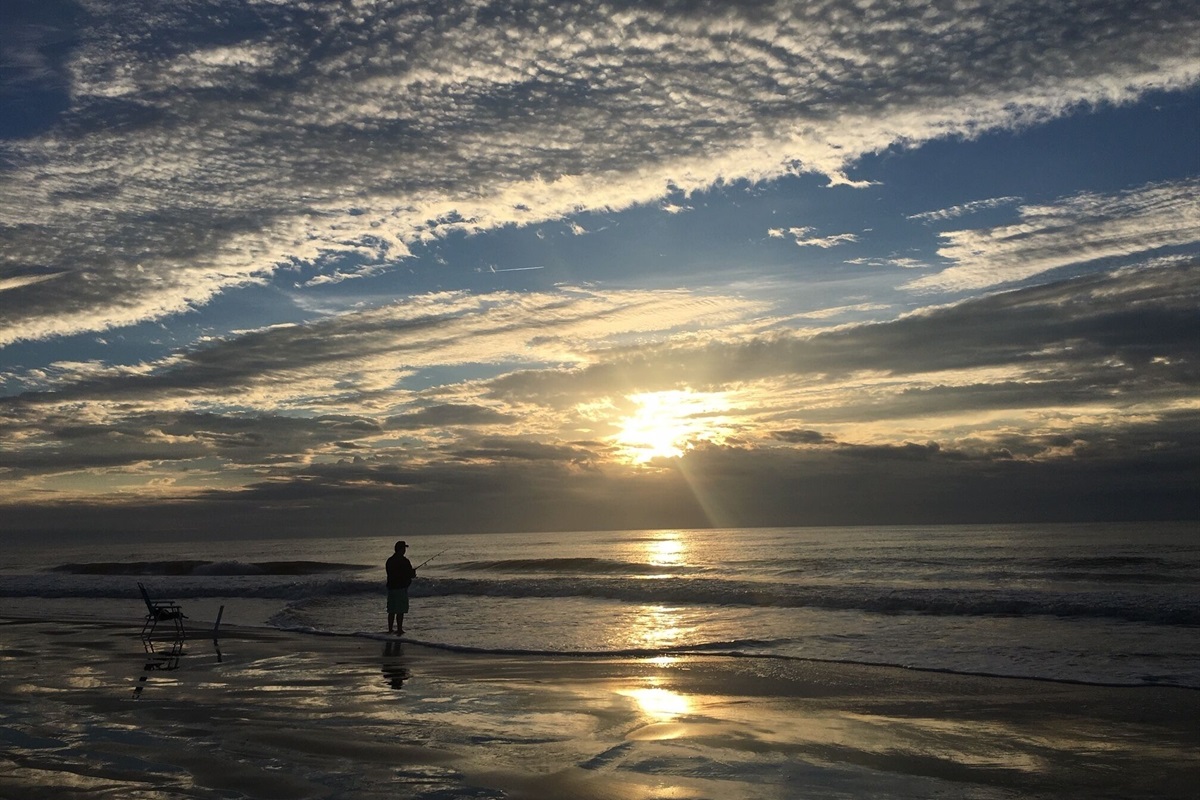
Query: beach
[(262, 713)]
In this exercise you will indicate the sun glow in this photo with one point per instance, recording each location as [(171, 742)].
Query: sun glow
[(667, 424)]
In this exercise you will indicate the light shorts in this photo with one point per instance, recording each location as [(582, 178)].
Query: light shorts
[(397, 601)]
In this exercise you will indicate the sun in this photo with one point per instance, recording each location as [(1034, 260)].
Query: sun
[(666, 424)]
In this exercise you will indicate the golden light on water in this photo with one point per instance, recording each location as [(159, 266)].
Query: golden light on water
[(661, 626), (666, 424), (658, 626), (661, 704), (668, 551)]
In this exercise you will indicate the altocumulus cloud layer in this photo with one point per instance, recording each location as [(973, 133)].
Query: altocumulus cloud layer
[(210, 144), (1038, 361)]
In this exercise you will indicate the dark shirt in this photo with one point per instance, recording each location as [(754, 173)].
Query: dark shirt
[(400, 572)]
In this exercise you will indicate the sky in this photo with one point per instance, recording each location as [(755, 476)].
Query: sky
[(273, 267)]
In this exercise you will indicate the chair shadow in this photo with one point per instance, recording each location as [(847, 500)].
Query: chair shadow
[(164, 651), (162, 655)]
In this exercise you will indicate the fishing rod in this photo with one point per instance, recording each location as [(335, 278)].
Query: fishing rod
[(426, 561)]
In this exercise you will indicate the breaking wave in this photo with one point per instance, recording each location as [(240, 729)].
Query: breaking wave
[(302, 581), (585, 566), (196, 567)]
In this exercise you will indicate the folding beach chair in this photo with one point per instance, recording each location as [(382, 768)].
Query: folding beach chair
[(159, 611)]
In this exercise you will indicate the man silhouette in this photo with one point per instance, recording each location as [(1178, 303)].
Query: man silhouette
[(400, 574)]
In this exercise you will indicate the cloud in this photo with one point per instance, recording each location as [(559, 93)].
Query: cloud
[(838, 311), (1127, 335), (802, 238), (964, 209), (802, 437), (1134, 478), (363, 357), (76, 441), (1074, 231), (17, 281), (1078, 395), (499, 448), (901, 262), (449, 414), (210, 145), (1111, 341)]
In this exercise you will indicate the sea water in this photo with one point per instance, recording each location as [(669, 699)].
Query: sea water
[(1097, 603)]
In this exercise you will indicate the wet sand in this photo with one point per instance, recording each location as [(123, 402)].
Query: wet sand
[(268, 714)]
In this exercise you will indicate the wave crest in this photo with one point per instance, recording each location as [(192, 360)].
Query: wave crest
[(594, 566), (198, 567)]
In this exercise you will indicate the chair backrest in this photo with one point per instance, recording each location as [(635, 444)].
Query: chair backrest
[(146, 596)]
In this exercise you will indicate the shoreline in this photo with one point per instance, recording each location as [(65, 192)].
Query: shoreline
[(266, 713), (682, 651), (716, 654)]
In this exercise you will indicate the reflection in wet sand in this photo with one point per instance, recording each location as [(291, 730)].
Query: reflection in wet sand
[(486, 725), (164, 652), (395, 672), (662, 704), (162, 655)]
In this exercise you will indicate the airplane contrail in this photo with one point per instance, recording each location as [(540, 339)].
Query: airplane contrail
[(513, 269)]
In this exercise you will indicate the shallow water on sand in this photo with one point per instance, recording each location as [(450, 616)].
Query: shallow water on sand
[(269, 714)]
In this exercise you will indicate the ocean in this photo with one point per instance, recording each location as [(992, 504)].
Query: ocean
[(1110, 604)]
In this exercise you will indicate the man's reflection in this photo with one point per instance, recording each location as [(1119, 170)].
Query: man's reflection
[(393, 669)]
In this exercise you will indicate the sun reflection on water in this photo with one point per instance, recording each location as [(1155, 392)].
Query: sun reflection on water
[(667, 552), (657, 626), (668, 549), (662, 704)]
